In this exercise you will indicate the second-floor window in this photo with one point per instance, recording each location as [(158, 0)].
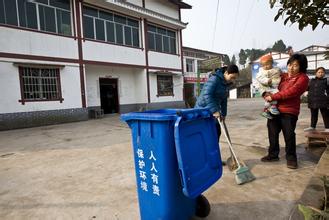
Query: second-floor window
[(161, 39), (109, 27), (189, 65), (43, 15)]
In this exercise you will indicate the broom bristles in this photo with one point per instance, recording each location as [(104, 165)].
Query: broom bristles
[(243, 175)]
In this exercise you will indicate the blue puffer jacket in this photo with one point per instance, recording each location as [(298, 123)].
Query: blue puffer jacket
[(214, 94)]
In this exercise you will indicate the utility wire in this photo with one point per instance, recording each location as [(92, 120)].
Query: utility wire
[(246, 24), (235, 19), (214, 34)]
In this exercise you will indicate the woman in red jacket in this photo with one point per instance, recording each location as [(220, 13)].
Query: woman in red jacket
[(293, 84)]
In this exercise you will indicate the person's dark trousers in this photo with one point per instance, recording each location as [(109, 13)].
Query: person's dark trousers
[(218, 129), (325, 116), (314, 117), (286, 123)]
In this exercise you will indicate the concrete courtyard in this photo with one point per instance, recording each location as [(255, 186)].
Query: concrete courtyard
[(85, 170)]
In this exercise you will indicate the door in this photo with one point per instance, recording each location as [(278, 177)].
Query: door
[(109, 95)]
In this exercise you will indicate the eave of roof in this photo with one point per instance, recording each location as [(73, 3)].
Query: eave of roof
[(143, 12), (181, 4), (199, 50)]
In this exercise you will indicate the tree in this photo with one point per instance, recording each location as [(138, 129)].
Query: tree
[(233, 60), (226, 60), (253, 54), (242, 57), (279, 46), (303, 12), (245, 74)]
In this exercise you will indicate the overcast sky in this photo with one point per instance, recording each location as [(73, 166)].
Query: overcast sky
[(243, 24)]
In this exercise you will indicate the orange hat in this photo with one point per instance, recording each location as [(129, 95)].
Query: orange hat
[(266, 58)]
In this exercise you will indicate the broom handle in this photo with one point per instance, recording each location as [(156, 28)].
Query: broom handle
[(225, 131)]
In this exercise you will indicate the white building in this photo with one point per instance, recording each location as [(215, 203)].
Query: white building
[(192, 59), (61, 58), (316, 58)]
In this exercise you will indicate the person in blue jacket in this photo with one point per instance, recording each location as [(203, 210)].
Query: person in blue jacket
[(215, 91)]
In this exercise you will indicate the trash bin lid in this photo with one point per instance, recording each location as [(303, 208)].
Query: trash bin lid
[(197, 149)]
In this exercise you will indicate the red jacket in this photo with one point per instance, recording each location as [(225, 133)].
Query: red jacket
[(290, 90)]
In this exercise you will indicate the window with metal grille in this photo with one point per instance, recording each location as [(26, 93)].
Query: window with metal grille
[(40, 84), (165, 85)]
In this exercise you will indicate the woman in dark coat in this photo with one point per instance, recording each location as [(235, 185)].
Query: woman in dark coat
[(318, 98)]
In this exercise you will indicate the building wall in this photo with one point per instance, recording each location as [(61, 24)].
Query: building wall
[(103, 52), (99, 59), (164, 60), (177, 87), (163, 7), (131, 84), (26, 42), (315, 61), (233, 94), (14, 114), (10, 87), (136, 2)]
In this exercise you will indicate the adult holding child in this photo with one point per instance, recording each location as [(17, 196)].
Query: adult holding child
[(318, 99), (293, 84)]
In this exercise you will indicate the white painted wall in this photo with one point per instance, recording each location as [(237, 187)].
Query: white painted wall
[(315, 61), (11, 93), (136, 2), (132, 84), (163, 7), (164, 60), (33, 43), (113, 53), (233, 94), (178, 89)]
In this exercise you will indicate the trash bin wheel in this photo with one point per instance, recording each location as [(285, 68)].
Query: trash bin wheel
[(202, 206)]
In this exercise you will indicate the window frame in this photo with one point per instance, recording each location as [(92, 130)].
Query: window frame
[(160, 92), (23, 23), (58, 91), (192, 64), (115, 20), (154, 32)]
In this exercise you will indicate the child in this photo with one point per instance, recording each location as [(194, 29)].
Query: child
[(318, 98), (269, 79)]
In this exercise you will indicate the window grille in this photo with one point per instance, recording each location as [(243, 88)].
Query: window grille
[(40, 84), (165, 85)]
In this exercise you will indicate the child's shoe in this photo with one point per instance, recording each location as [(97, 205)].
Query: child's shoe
[(266, 115), (274, 110), (309, 129)]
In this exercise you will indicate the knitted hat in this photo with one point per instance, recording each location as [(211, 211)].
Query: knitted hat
[(266, 58)]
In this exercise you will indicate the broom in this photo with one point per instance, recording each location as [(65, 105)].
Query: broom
[(242, 172)]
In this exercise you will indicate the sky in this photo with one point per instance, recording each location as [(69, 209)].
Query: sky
[(243, 24)]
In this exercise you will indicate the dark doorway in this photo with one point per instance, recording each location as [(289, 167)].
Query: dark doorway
[(189, 95), (109, 95)]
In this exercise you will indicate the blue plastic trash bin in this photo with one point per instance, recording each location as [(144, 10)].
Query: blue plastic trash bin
[(176, 157)]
